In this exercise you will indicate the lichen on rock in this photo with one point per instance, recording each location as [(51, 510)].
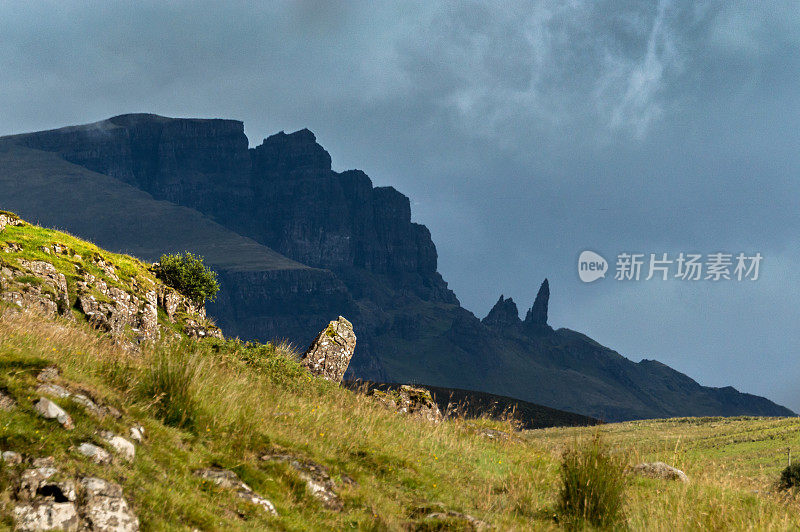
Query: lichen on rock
[(331, 351)]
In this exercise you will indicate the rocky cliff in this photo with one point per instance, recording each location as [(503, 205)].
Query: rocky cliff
[(298, 244)]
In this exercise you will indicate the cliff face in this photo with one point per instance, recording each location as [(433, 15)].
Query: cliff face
[(282, 194), (297, 244)]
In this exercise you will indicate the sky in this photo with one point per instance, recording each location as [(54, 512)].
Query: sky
[(523, 132)]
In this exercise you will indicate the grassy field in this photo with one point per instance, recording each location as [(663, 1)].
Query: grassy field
[(243, 402)]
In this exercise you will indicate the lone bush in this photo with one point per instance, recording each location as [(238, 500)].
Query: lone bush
[(592, 485), (187, 274), (790, 477)]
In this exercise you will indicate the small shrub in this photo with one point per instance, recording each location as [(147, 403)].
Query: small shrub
[(790, 477), (187, 274), (592, 485)]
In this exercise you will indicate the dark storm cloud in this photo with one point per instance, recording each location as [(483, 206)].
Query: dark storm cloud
[(524, 132)]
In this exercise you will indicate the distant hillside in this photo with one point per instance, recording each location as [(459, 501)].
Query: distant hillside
[(347, 248)]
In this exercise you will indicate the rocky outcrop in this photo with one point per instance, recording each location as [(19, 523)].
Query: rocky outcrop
[(49, 500), (331, 351), (504, 315), (317, 478), (225, 478), (104, 507), (8, 218), (536, 318), (410, 400), (127, 309)]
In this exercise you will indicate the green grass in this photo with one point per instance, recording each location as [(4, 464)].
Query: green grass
[(81, 256), (247, 400), (592, 485)]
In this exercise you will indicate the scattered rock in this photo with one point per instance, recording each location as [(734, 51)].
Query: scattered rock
[(96, 454), (49, 410), (46, 515), (137, 433), (53, 390), (494, 434), (438, 512), (12, 247), (8, 219), (59, 391), (12, 458), (121, 446), (225, 478), (316, 477), (331, 351), (105, 509), (659, 470), (90, 405), (48, 374), (194, 329), (6, 401), (410, 400)]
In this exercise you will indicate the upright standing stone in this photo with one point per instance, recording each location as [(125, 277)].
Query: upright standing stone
[(331, 351)]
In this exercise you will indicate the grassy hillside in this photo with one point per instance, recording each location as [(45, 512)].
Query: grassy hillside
[(221, 403), (244, 403)]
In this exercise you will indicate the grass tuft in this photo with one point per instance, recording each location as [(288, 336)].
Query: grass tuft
[(592, 485), (170, 384), (790, 477)]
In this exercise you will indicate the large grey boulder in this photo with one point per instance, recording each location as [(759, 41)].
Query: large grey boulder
[(659, 470), (331, 351)]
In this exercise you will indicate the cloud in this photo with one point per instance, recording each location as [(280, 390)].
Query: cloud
[(524, 132)]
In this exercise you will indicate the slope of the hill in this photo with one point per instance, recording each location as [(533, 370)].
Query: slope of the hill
[(380, 267), (244, 410)]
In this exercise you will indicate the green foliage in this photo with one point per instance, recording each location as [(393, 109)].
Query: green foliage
[(187, 274), (592, 485), (169, 384), (790, 477)]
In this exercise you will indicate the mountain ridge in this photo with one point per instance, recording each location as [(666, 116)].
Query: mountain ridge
[(411, 327)]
